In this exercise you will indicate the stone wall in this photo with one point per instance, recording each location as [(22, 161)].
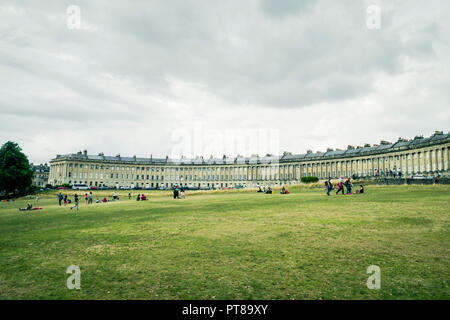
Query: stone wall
[(396, 181)]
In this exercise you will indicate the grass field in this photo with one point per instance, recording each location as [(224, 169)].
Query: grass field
[(232, 245)]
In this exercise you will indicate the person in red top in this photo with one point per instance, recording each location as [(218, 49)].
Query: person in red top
[(340, 187), (143, 197)]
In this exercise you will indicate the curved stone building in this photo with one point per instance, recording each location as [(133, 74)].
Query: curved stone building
[(414, 156)]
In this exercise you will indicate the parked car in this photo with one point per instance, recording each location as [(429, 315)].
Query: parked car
[(79, 186)]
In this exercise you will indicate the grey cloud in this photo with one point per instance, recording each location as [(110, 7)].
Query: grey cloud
[(239, 56), (282, 8)]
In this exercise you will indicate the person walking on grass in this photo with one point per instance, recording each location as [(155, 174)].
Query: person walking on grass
[(175, 192), (60, 198), (75, 200), (91, 197), (129, 195), (340, 187), (182, 192), (65, 200), (86, 198), (329, 186), (348, 186)]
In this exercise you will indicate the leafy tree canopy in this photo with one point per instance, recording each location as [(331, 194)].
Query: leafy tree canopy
[(15, 171)]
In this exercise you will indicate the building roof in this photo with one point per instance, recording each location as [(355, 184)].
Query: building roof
[(401, 144), (40, 168)]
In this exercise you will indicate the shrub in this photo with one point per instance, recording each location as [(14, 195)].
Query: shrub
[(34, 188), (309, 179)]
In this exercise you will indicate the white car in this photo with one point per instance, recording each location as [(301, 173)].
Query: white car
[(78, 186)]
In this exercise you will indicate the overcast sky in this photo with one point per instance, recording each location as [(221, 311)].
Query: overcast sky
[(151, 77)]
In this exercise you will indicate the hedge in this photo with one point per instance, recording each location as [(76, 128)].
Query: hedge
[(309, 179)]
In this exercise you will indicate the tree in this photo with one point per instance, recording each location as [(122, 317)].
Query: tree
[(15, 171)]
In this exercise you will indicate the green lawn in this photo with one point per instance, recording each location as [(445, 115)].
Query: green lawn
[(232, 245)]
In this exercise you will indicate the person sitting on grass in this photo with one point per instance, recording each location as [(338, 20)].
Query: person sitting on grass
[(361, 189), (269, 190), (284, 191), (259, 189), (138, 197), (143, 197), (97, 201), (104, 200), (29, 207)]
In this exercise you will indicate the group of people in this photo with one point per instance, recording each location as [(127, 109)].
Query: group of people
[(389, 173), (88, 199), (141, 197), (284, 191), (63, 198), (178, 192), (268, 191), (340, 186)]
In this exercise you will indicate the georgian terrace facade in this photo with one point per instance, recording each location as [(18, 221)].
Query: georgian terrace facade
[(414, 156)]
